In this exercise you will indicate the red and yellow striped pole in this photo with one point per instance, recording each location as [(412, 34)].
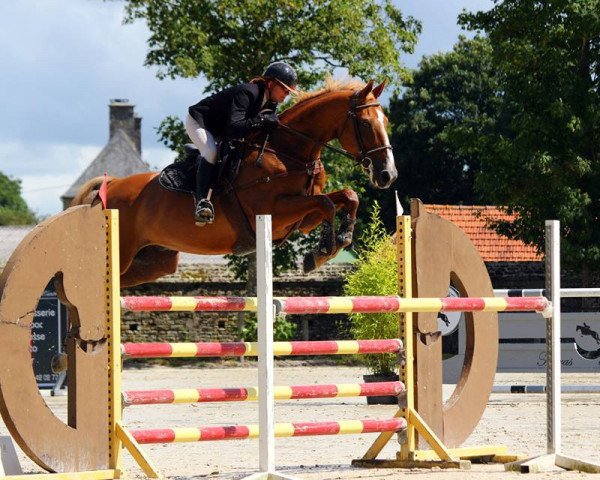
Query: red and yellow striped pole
[(404, 304), (332, 305), (238, 432), (238, 349), (188, 304), (199, 395)]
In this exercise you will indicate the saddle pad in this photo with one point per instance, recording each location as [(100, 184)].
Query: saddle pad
[(179, 177)]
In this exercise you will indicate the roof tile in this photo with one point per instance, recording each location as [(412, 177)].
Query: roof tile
[(492, 246)]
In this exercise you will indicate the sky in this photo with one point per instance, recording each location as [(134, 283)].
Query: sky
[(63, 60)]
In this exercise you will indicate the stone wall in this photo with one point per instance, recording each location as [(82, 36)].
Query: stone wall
[(217, 280), (223, 327)]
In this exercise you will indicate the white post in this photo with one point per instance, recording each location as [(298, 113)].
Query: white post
[(265, 310), (553, 456), (553, 344)]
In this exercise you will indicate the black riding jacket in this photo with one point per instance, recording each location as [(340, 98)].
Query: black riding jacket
[(233, 111)]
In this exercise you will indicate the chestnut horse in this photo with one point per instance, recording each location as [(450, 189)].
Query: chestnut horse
[(286, 180)]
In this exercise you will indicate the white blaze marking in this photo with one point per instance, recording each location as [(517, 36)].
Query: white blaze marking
[(389, 155)]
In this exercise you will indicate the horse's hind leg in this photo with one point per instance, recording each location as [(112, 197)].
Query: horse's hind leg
[(342, 199), (150, 263)]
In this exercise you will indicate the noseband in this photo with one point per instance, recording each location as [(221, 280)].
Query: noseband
[(364, 158)]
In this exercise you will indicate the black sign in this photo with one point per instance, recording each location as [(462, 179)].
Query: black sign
[(48, 332)]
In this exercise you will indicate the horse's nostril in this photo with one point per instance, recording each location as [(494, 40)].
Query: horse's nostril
[(385, 177)]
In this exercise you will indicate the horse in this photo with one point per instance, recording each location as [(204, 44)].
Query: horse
[(585, 329), (281, 174)]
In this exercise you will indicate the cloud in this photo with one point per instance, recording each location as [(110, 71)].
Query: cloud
[(42, 192), (158, 158), (46, 171), (62, 62)]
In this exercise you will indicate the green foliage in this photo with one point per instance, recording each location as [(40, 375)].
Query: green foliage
[(173, 135), (283, 329), (453, 99), (13, 209), (376, 274), (541, 159), (284, 256), (229, 41)]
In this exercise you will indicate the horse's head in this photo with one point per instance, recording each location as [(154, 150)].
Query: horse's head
[(364, 135)]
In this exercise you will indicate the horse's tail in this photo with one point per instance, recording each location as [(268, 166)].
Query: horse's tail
[(88, 192)]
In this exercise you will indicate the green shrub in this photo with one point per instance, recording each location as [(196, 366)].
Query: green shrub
[(283, 329), (376, 274)]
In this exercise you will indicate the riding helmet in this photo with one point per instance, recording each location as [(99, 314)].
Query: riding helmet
[(282, 72)]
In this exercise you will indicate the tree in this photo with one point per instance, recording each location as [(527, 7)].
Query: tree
[(228, 41), (543, 162), (13, 209), (453, 99)]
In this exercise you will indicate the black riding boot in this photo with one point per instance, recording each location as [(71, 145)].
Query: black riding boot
[(205, 177)]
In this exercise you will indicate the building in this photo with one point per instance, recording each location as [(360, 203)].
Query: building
[(510, 263), (122, 155)]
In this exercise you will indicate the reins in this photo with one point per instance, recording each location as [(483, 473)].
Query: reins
[(313, 166), (327, 145), (364, 159)]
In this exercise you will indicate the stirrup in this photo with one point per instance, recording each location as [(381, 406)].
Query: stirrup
[(204, 213)]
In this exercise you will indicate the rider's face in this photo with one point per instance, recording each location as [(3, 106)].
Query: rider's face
[(277, 92)]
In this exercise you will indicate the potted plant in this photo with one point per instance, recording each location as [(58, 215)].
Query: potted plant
[(376, 274)]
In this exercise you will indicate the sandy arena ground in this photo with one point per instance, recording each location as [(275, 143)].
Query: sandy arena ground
[(515, 420)]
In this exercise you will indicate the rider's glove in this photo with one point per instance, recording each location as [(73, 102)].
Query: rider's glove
[(269, 119)]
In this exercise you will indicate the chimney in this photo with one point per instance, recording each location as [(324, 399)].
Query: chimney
[(122, 117)]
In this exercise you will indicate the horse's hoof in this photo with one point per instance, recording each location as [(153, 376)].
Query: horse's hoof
[(344, 239), (309, 263), (58, 363)]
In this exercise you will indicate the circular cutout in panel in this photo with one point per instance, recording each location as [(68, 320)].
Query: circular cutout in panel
[(70, 247)]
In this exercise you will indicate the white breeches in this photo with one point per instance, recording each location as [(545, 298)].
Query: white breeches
[(202, 138)]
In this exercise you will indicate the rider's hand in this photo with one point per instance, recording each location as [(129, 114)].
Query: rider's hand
[(269, 119)]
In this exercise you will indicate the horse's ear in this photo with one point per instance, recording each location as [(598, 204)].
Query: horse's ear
[(366, 90), (379, 88)]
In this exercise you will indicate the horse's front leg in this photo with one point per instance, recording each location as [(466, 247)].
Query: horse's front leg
[(342, 199), (321, 210)]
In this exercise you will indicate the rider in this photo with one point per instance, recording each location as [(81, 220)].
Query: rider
[(234, 112)]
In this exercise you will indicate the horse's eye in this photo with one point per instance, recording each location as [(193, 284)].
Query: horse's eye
[(365, 123)]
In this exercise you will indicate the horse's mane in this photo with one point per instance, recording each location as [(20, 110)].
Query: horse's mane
[(331, 85)]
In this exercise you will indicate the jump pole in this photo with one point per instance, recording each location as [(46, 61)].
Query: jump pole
[(553, 456), (266, 317)]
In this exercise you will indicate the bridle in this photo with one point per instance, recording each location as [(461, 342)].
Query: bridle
[(364, 158)]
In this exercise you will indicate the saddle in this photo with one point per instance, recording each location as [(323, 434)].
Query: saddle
[(181, 176)]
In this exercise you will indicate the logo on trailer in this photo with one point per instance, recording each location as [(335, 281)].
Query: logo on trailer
[(587, 341), (448, 321)]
